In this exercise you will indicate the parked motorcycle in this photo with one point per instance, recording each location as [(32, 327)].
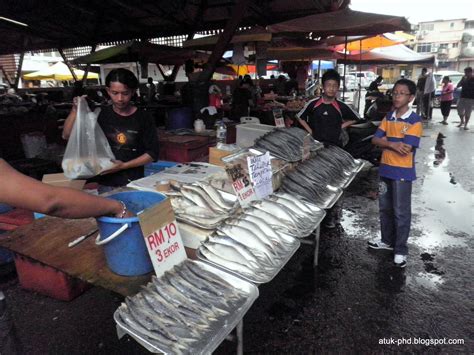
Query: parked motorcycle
[(360, 135)]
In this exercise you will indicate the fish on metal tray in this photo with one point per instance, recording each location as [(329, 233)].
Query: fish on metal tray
[(157, 339), (231, 265), (246, 237)]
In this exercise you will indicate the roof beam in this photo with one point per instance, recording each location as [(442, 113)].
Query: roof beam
[(224, 39)]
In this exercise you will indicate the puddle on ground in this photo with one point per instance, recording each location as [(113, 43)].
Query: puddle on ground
[(355, 228), (442, 206), (427, 280)]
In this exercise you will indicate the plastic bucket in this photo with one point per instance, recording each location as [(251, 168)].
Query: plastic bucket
[(180, 118), (124, 246)]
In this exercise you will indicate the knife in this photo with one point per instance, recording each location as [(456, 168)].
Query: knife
[(81, 238)]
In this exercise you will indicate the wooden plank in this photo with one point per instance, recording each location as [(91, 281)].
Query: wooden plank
[(46, 240)]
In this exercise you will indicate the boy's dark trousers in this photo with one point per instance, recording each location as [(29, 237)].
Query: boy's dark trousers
[(395, 213)]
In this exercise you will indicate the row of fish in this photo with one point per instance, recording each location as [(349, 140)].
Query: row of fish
[(182, 308), (318, 178), (257, 243), (287, 143)]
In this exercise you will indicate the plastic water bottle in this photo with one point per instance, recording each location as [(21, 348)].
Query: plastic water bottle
[(221, 134)]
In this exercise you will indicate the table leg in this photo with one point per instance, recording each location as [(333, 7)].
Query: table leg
[(240, 337), (316, 246)]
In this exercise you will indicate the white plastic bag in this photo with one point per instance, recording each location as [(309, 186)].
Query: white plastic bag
[(87, 152)]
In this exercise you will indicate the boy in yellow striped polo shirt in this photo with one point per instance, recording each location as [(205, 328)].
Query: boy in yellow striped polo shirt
[(399, 136)]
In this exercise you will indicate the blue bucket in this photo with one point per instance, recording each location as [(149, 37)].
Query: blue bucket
[(124, 246)]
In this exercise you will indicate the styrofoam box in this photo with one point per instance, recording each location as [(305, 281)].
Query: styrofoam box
[(247, 133)]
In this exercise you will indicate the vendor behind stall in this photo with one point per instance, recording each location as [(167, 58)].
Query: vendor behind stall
[(324, 118), (130, 132)]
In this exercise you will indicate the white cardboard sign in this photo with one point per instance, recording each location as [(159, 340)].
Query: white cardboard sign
[(162, 237), (260, 171)]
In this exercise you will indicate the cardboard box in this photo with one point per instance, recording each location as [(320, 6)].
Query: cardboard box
[(63, 181), (215, 155)]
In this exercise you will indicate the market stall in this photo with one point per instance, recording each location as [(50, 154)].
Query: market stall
[(242, 221)]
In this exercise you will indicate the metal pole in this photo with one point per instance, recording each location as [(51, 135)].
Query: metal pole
[(60, 50), (86, 72), (316, 246), (344, 78), (360, 76), (18, 72), (240, 337)]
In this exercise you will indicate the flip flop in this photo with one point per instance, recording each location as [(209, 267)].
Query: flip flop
[(466, 128)]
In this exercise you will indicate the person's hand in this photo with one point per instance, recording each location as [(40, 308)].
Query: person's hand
[(118, 165), (127, 214), (400, 147), (75, 101)]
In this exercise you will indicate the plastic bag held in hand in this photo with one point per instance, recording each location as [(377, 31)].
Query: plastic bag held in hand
[(87, 152)]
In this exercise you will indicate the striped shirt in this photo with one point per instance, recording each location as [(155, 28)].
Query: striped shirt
[(406, 129)]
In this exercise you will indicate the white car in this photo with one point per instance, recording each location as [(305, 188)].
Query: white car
[(350, 82), (366, 77)]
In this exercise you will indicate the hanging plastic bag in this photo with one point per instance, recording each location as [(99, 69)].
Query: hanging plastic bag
[(87, 152)]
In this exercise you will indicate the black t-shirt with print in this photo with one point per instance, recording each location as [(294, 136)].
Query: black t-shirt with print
[(325, 120), (129, 137)]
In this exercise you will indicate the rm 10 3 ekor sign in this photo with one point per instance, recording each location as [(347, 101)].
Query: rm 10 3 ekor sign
[(162, 238)]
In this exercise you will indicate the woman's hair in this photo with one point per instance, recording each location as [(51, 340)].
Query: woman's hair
[(446, 77), (123, 76)]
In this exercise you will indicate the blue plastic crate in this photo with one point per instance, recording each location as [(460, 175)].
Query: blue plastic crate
[(158, 166)]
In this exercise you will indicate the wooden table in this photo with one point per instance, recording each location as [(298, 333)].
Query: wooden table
[(46, 240)]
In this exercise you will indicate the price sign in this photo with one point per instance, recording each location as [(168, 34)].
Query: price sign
[(260, 171), (241, 183), (306, 149), (162, 238), (278, 116)]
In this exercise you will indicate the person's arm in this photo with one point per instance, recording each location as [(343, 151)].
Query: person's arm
[(143, 159), (70, 119), (461, 82), (303, 115), (349, 116), (380, 139), (51, 200), (69, 123), (399, 147)]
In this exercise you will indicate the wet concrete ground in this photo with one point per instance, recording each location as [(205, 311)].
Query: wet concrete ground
[(355, 298)]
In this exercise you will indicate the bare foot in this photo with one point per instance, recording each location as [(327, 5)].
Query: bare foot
[(460, 125)]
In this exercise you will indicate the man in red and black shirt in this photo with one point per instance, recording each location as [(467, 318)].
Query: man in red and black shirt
[(325, 117)]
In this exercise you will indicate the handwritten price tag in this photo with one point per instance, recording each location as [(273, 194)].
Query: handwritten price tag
[(162, 237), (241, 183)]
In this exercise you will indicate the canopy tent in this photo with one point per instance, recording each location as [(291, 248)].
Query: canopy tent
[(145, 51), (59, 72), (399, 54), (369, 43), (342, 23), (37, 24), (256, 34)]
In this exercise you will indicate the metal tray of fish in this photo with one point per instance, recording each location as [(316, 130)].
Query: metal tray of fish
[(361, 164), (337, 192), (219, 329), (349, 180), (270, 276)]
